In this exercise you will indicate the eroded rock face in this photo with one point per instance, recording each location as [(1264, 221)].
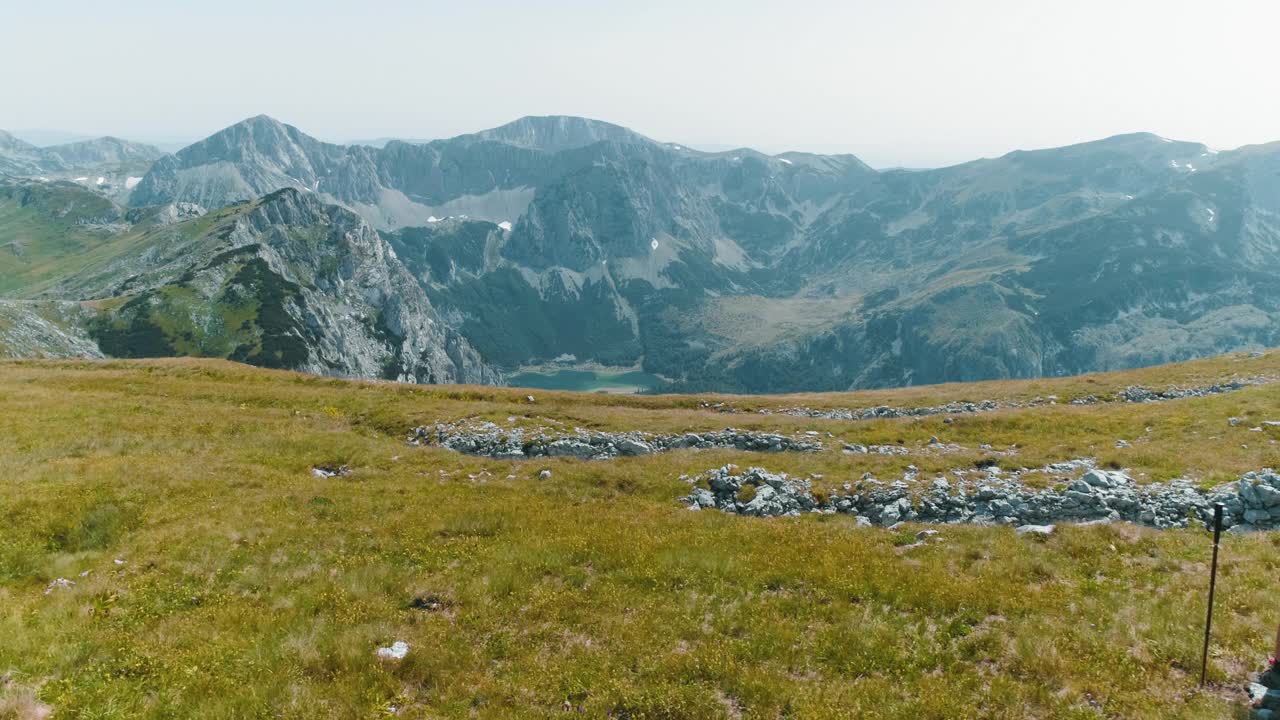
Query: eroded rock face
[(492, 440), (286, 281), (45, 329), (1253, 503)]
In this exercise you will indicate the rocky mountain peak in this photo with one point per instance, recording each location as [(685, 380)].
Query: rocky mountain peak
[(556, 133), (258, 135), (103, 150), (10, 143)]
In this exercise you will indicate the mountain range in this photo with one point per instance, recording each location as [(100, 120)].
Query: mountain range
[(109, 165), (562, 238)]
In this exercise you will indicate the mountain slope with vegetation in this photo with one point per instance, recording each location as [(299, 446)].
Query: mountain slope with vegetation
[(607, 246), (243, 541), (284, 281)]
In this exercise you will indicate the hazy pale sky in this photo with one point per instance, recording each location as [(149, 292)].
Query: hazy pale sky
[(897, 82)]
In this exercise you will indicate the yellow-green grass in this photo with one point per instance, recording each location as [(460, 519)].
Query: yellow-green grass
[(252, 589)]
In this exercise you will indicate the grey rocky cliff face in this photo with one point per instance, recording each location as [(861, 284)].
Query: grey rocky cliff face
[(45, 329), (747, 272), (286, 281), (370, 317)]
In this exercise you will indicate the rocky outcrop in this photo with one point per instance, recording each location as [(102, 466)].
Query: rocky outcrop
[(287, 282), (492, 440), (1252, 503), (45, 330)]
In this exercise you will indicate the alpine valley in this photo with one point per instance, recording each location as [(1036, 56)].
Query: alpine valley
[(567, 242)]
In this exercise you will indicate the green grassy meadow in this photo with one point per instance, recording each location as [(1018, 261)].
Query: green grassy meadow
[(215, 576)]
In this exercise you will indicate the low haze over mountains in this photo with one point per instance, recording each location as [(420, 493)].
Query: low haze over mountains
[(572, 239)]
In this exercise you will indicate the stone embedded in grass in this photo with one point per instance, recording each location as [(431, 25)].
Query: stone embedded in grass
[(397, 651), (429, 603), (59, 583), (544, 475), (325, 472)]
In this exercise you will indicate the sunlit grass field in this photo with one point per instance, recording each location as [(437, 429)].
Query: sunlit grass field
[(225, 580)]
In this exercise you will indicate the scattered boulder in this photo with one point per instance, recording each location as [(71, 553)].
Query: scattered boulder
[(629, 447), (544, 474), (324, 472)]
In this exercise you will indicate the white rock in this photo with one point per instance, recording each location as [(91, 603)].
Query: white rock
[(397, 651), (59, 583)]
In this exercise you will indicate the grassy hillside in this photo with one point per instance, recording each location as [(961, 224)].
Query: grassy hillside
[(224, 579), (48, 231)]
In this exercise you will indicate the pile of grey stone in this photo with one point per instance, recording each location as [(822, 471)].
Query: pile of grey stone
[(886, 412), (1251, 503), (489, 439), (1131, 394), (1138, 394)]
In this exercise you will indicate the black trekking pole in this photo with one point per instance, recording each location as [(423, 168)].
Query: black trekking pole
[(1213, 581)]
